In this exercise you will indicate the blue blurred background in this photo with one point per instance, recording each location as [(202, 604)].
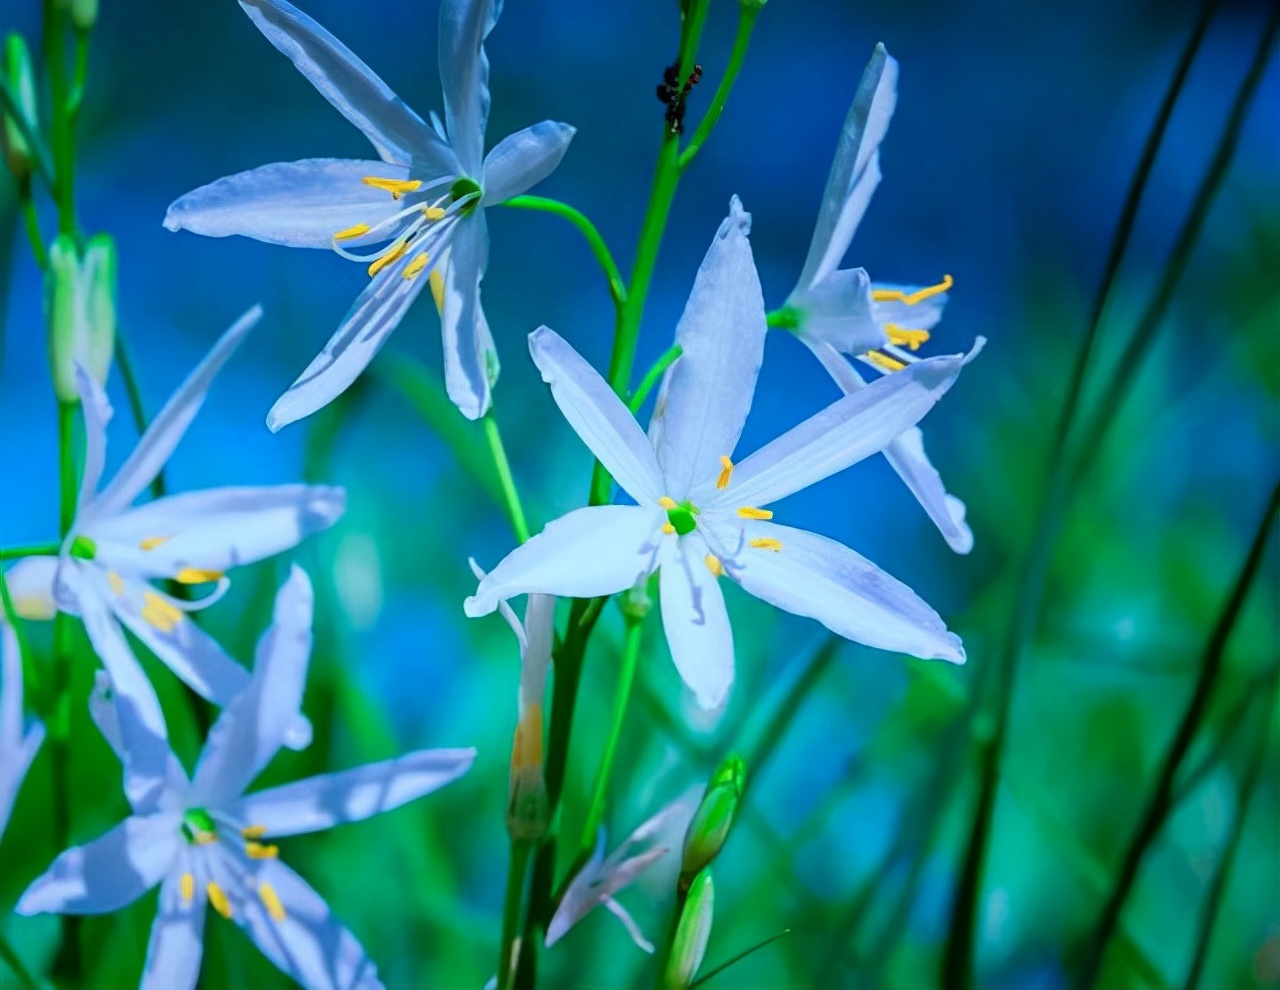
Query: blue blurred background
[(1017, 130)]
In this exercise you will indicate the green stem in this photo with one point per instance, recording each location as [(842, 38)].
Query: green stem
[(652, 375), (621, 697), (746, 22), (61, 130), (32, 224), (517, 875), (617, 291), (30, 135), (14, 962), (508, 484), (30, 550)]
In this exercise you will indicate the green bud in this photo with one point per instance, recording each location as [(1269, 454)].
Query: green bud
[(635, 603), (755, 6), (714, 818), (690, 943), (84, 14), (82, 310), (21, 83)]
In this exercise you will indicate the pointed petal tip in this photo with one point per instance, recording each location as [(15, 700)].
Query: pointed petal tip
[(476, 606), (956, 654), (978, 344), (738, 219)]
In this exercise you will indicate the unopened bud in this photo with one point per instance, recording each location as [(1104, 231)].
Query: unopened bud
[(84, 14), (754, 6), (714, 818), (634, 603), (20, 82), (690, 943), (82, 310)]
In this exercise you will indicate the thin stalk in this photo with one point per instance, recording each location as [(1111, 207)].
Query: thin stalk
[(61, 130), (14, 962), (30, 550), (746, 22), (1160, 803), (137, 410), (515, 511), (512, 923), (651, 377), (66, 466), (617, 291), (734, 960), (32, 225)]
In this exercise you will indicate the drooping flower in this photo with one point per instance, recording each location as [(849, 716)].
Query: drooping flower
[(18, 746), (840, 311), (699, 516), (420, 208), (115, 551), (205, 841)]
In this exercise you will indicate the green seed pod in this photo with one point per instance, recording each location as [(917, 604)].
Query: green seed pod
[(714, 818), (82, 310), (692, 932), (20, 81)]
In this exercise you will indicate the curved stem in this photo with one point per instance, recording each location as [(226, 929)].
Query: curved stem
[(746, 22), (652, 375), (32, 224), (599, 248), (30, 550), (505, 480)]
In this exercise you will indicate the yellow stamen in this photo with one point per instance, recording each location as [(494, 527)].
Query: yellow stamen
[(667, 502), (205, 838), (187, 884), (436, 281), (358, 230), (193, 575), (433, 213), (526, 752), (157, 612), (414, 268), (668, 528), (713, 564), (397, 187), (897, 295), (767, 543), (726, 472), (218, 899), (253, 831), (747, 512), (151, 542), (267, 894), (395, 254), (116, 582), (884, 362), (256, 850), (905, 338)]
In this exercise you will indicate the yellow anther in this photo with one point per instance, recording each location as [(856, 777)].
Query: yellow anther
[(905, 338), (414, 268), (713, 564), (357, 230), (767, 543), (395, 254), (253, 831), (116, 582), (726, 472), (668, 528), (433, 213), (747, 512), (920, 295), (397, 187), (187, 885), (667, 502), (270, 901), (256, 850), (218, 899), (884, 362), (205, 838), (151, 542), (193, 575), (436, 281), (164, 615), (526, 751)]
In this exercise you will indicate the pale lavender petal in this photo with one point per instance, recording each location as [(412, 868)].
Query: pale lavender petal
[(17, 748), (30, 583), (695, 620), (177, 940), (470, 359), (839, 311), (97, 414), (106, 715), (521, 160), (464, 76)]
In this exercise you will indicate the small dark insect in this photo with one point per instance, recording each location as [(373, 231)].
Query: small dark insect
[(674, 96)]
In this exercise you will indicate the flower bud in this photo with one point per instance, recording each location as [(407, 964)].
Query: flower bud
[(82, 310), (754, 6), (84, 14), (20, 82), (714, 818), (635, 603), (692, 932)]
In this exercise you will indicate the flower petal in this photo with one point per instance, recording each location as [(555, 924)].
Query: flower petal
[(695, 620), (162, 436), (30, 583), (706, 394), (521, 160), (297, 204), (839, 311), (598, 416), (253, 727), (17, 749), (470, 359), (305, 940), (855, 171), (848, 430), (109, 872), (464, 75), (177, 940), (106, 715), (922, 315), (821, 579), (396, 132), (597, 550), (97, 411)]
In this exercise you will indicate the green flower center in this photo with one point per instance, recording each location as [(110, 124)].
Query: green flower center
[(198, 826), (683, 517), (463, 188), (84, 548)]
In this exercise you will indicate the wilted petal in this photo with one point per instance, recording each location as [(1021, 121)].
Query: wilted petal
[(470, 360), (30, 583), (396, 132), (848, 430), (705, 397), (598, 416), (333, 799), (464, 75), (598, 550), (521, 160), (839, 311), (109, 872), (162, 436), (822, 579), (855, 171), (297, 204), (17, 748), (695, 620), (177, 940), (253, 727)]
